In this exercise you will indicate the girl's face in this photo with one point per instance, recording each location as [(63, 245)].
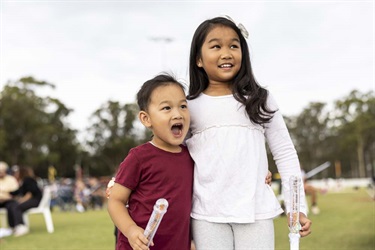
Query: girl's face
[(221, 55), (168, 117)]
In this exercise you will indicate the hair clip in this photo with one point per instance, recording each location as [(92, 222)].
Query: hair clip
[(240, 26)]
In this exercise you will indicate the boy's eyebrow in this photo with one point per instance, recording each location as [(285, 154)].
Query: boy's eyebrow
[(168, 101)]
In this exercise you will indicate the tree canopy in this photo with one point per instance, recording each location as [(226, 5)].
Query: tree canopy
[(34, 131)]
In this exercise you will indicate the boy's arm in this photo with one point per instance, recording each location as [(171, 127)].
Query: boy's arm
[(120, 216)]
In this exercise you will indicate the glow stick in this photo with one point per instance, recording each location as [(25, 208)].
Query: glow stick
[(294, 225), (160, 208)]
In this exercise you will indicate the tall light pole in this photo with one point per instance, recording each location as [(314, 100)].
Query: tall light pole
[(163, 40)]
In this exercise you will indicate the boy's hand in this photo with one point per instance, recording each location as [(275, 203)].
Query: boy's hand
[(136, 238), (269, 178)]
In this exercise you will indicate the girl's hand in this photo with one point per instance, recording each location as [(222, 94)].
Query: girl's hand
[(192, 245), (136, 238), (306, 224), (109, 187), (269, 178)]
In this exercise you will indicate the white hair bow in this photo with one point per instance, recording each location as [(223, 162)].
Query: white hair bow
[(242, 28)]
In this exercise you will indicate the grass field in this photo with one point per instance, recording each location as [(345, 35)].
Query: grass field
[(346, 221)]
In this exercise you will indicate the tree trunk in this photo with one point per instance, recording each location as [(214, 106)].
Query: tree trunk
[(361, 158)]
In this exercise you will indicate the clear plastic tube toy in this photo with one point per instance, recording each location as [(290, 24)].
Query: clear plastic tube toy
[(160, 208), (294, 224)]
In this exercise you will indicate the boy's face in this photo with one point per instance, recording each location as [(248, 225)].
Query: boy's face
[(221, 55), (168, 117)]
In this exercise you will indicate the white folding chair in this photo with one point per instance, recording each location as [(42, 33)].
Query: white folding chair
[(43, 208)]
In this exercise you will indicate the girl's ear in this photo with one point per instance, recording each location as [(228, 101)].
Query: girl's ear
[(145, 119), (199, 63)]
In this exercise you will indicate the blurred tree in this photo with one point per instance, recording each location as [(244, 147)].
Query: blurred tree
[(112, 134), (354, 121), (33, 130), (309, 132), (344, 134)]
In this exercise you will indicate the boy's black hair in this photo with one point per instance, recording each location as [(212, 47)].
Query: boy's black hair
[(144, 94), (245, 88)]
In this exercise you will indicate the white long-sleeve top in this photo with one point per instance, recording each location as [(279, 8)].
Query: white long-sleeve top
[(231, 161)]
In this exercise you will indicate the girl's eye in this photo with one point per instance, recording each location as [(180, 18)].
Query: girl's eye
[(216, 47), (184, 106), (234, 46)]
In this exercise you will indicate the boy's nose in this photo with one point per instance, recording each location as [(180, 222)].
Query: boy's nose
[(177, 115)]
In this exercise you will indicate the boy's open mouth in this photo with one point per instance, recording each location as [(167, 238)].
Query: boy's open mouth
[(177, 128)]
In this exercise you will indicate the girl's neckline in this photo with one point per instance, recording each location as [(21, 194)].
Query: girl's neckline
[(217, 96)]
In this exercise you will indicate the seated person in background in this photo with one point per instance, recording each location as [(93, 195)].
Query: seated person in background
[(27, 196), (8, 183)]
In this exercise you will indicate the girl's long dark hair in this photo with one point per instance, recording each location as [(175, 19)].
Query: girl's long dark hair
[(245, 88)]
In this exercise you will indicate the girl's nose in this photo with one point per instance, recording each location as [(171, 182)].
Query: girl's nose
[(226, 55)]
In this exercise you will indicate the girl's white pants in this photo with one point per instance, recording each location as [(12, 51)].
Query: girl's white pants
[(233, 236)]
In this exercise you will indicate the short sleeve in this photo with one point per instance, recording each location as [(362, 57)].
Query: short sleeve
[(129, 173)]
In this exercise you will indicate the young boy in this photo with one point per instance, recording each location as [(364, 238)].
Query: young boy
[(160, 168)]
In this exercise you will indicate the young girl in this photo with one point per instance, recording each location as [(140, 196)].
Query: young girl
[(232, 117), (161, 168)]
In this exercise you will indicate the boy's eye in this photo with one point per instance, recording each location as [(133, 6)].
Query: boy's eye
[(184, 106), (166, 108)]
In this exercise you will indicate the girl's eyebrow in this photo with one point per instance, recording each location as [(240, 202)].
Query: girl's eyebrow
[(217, 40), (213, 40)]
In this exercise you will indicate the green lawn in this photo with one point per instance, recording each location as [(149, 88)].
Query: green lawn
[(346, 221)]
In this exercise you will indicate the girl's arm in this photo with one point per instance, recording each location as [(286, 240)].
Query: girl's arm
[(287, 162), (120, 216), (284, 153)]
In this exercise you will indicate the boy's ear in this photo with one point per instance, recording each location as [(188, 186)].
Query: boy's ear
[(144, 118)]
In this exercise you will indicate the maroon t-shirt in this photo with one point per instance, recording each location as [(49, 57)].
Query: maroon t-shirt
[(151, 174)]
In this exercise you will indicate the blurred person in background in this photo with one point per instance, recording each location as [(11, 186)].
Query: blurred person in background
[(27, 196), (97, 193), (311, 191), (81, 195), (8, 183), (65, 194)]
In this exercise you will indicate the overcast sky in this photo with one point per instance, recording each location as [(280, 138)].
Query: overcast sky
[(95, 51)]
